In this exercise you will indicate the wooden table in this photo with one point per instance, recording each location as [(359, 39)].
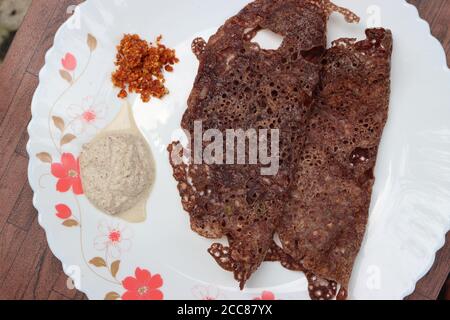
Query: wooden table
[(28, 269)]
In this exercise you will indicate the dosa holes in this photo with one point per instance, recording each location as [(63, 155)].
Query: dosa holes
[(268, 40)]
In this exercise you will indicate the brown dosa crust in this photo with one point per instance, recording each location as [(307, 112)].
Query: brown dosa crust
[(324, 223), (241, 86)]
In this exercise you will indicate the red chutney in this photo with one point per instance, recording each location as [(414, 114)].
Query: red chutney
[(140, 67)]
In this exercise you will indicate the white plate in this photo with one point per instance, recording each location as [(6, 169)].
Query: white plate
[(410, 211)]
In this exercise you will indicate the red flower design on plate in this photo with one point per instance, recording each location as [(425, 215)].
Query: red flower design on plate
[(87, 117), (114, 238), (143, 286), (63, 211), (207, 293), (69, 62), (266, 295), (68, 174)]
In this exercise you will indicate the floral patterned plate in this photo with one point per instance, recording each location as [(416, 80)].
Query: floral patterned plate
[(161, 258)]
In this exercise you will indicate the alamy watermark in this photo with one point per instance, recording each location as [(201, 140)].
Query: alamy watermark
[(233, 146)]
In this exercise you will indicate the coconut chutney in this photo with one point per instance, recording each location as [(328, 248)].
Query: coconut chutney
[(117, 171)]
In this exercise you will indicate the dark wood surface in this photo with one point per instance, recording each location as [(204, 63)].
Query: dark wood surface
[(28, 269)]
